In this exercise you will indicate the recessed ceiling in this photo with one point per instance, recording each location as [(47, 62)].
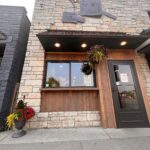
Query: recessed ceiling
[(71, 40)]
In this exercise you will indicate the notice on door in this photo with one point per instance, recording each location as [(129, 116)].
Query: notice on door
[(87, 80), (124, 77)]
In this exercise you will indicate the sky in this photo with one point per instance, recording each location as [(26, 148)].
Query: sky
[(28, 4)]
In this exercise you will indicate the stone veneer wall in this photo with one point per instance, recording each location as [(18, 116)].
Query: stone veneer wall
[(65, 119), (145, 71), (132, 18)]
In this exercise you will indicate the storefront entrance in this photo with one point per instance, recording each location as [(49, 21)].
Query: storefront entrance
[(127, 97)]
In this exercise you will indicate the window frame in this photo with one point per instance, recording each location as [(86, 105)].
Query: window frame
[(148, 12), (69, 62)]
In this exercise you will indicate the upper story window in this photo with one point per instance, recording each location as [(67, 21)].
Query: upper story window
[(67, 74)]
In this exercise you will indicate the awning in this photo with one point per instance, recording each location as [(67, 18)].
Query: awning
[(71, 40), (145, 47)]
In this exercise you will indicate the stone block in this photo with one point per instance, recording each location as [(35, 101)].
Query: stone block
[(33, 82), (68, 123), (33, 102), (37, 63), (34, 95), (26, 89), (36, 125), (70, 113), (54, 124), (43, 115), (96, 124)]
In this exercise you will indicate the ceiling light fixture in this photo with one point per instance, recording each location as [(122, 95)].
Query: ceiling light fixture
[(84, 45), (123, 43), (57, 45)]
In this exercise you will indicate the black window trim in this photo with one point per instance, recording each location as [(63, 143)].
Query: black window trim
[(57, 61), (148, 13)]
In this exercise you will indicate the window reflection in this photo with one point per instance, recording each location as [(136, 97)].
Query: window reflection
[(126, 87), (67, 74), (127, 97), (78, 78), (59, 72)]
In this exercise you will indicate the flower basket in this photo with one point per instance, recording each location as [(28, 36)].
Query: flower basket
[(96, 54), (19, 117), (19, 124), (86, 68)]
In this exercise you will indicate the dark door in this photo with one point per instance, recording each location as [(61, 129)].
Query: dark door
[(127, 97)]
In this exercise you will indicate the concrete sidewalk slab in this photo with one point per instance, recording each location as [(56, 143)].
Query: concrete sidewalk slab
[(3, 135), (141, 143), (73, 134), (127, 132), (44, 146), (56, 135)]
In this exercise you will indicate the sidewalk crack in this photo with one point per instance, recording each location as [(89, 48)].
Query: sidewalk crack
[(81, 145)]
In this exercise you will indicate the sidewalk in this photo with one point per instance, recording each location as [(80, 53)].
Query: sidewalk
[(78, 139)]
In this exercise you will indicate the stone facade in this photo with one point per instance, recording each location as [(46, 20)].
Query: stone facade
[(132, 18), (65, 119), (145, 71), (15, 25)]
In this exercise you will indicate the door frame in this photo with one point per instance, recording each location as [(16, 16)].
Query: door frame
[(137, 88), (108, 118)]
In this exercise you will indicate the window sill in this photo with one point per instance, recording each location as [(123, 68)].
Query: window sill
[(70, 89)]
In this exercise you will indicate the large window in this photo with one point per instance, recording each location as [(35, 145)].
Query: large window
[(67, 74)]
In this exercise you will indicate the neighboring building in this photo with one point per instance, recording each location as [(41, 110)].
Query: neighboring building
[(14, 32), (54, 50)]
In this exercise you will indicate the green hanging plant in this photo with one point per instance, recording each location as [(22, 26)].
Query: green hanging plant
[(96, 54)]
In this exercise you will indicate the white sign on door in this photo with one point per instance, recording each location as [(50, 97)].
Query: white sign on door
[(124, 77)]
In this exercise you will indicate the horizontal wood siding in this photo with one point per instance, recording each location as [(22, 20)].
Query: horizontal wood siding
[(71, 100)]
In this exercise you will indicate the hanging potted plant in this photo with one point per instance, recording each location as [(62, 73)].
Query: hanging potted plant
[(19, 117), (87, 68), (96, 54)]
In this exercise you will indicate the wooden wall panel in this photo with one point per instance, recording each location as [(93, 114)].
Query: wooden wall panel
[(66, 56), (101, 99), (105, 93), (54, 101)]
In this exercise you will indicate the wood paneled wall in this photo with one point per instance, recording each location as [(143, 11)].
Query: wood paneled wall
[(65, 56), (88, 100), (69, 100)]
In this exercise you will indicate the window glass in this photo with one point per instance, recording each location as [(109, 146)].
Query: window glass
[(57, 75), (126, 87), (67, 74), (78, 78)]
